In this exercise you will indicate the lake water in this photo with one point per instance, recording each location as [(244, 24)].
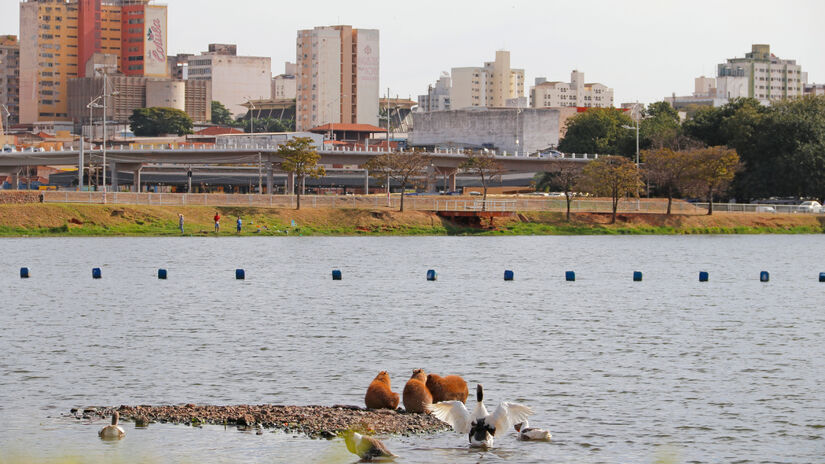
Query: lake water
[(668, 369)]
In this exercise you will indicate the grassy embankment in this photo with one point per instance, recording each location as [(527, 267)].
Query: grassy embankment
[(131, 220)]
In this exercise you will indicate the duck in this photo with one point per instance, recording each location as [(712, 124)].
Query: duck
[(366, 448), (114, 431), (481, 426), (527, 433)]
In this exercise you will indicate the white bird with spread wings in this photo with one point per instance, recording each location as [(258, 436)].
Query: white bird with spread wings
[(481, 426)]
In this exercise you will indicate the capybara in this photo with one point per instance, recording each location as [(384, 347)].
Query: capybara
[(416, 394), (451, 387), (379, 395)]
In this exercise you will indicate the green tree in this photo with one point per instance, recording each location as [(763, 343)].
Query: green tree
[(221, 115), (611, 176), (268, 125), (151, 122), (300, 158), (404, 167), (671, 171), (485, 166), (713, 170), (600, 131), (660, 126)]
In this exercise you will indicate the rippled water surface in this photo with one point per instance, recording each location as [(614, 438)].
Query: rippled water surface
[(731, 370)]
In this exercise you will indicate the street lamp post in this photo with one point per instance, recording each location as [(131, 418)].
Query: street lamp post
[(91, 105)]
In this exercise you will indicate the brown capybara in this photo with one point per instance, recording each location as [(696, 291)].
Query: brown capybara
[(416, 394), (448, 388), (379, 395)]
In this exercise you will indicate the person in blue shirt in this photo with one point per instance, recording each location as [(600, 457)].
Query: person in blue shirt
[(180, 222), (238, 223)]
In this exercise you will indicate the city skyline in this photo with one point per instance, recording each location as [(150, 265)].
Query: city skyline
[(644, 59)]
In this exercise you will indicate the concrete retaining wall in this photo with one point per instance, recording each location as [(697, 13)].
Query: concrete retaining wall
[(499, 128)]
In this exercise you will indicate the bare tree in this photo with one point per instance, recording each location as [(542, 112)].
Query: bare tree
[(564, 176), (300, 158), (613, 176), (485, 166), (404, 167)]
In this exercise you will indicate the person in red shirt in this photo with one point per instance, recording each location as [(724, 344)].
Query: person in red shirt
[(217, 219)]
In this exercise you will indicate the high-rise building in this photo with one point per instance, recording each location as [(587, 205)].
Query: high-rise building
[(59, 37), (574, 93), (766, 76), (232, 79), (489, 86), (438, 96), (9, 79), (284, 85), (337, 76)]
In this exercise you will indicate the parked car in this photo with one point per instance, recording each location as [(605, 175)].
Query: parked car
[(765, 209), (8, 148), (809, 207)]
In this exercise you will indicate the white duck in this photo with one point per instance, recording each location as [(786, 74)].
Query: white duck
[(481, 426), (114, 431), (526, 433), (367, 448)]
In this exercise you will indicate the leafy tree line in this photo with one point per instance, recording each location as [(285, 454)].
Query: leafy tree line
[(222, 116), (781, 147)]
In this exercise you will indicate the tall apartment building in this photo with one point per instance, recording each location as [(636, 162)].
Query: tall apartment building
[(9, 79), (568, 94), (438, 96), (232, 79), (338, 71), (489, 86), (58, 37), (763, 75), (284, 86)]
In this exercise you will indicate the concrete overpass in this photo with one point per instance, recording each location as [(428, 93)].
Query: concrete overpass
[(263, 157)]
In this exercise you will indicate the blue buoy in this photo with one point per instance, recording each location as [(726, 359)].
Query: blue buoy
[(508, 275), (432, 275), (703, 276), (570, 276), (764, 276), (637, 276), (240, 274), (24, 273), (822, 276), (162, 274), (96, 274), (336, 274)]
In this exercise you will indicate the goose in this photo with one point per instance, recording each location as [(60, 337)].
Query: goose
[(481, 426), (367, 448), (114, 431), (525, 432)]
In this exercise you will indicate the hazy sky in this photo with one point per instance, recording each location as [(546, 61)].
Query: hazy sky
[(643, 49)]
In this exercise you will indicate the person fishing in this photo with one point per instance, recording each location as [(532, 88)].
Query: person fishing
[(238, 224), (217, 219), (180, 222)]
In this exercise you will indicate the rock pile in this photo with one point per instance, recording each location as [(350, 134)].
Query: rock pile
[(313, 421)]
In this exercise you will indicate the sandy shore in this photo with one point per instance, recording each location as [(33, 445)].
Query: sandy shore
[(313, 421)]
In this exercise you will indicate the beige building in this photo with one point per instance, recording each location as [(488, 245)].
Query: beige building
[(284, 85), (337, 76), (133, 92), (232, 79), (489, 86), (763, 76), (575, 93), (9, 79)]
